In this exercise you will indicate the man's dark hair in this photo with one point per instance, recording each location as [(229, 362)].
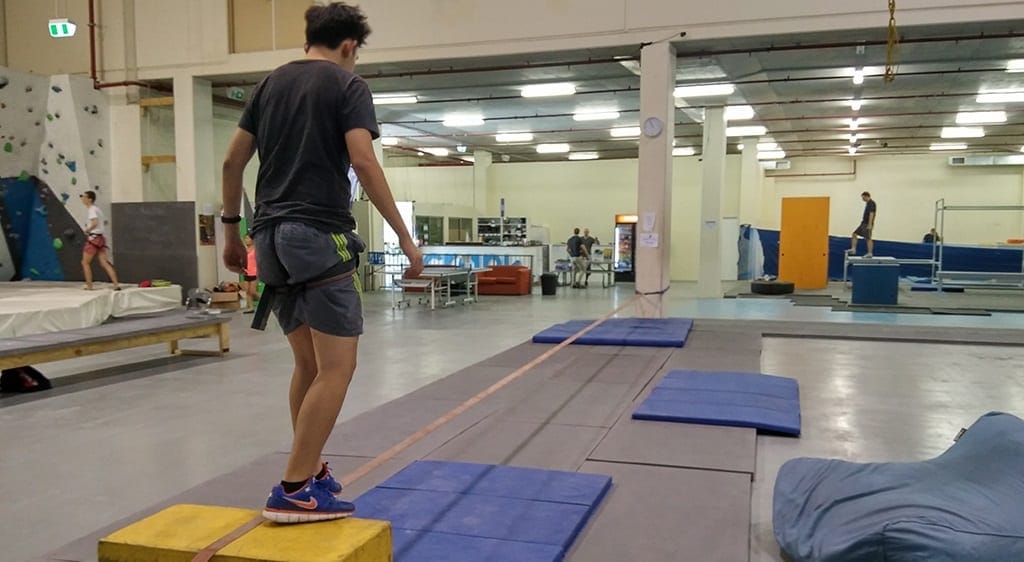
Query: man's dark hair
[(865, 194), (90, 194), (334, 23), (576, 231)]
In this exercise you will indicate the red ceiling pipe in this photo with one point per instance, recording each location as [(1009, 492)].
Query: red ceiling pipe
[(93, 66)]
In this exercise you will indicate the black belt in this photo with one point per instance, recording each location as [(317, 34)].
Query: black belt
[(338, 272)]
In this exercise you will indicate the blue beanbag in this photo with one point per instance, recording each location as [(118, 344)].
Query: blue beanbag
[(965, 505)]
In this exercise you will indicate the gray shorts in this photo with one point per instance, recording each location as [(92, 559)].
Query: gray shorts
[(293, 253)]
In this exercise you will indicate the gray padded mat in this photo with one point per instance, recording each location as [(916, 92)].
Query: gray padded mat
[(680, 445)]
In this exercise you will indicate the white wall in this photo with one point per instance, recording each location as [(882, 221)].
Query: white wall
[(159, 182), (905, 189)]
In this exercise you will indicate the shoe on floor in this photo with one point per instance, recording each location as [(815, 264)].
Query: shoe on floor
[(868, 256), (249, 311), (313, 503), (329, 481)]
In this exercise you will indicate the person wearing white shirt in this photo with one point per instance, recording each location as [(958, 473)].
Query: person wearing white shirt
[(95, 242)]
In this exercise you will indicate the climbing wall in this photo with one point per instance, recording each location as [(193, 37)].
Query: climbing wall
[(52, 132)]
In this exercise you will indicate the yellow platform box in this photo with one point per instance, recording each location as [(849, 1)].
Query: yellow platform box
[(177, 533)]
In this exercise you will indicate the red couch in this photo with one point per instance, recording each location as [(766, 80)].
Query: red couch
[(505, 280)]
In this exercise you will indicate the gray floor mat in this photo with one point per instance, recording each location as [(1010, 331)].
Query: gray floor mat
[(680, 445), (657, 513)]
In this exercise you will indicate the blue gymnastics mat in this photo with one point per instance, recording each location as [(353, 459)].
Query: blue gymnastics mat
[(467, 512), (640, 332), (763, 402)]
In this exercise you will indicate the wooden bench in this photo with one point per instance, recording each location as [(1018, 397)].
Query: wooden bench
[(116, 335)]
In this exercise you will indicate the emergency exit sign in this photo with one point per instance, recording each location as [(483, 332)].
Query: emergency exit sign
[(62, 28)]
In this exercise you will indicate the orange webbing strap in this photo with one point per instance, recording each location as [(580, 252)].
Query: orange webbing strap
[(207, 553), (210, 551)]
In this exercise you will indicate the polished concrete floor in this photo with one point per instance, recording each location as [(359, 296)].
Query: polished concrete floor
[(137, 427)]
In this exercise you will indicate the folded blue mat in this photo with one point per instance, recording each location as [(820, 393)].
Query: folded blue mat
[(963, 505), (639, 332), (462, 511), (763, 402)]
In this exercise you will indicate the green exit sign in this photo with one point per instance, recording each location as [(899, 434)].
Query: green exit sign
[(62, 28)]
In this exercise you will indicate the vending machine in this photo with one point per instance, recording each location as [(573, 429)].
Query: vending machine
[(625, 248)]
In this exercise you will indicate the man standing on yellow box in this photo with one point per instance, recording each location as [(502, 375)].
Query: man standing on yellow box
[(310, 119)]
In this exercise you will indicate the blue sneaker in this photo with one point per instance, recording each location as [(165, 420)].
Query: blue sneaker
[(315, 502), (329, 482)]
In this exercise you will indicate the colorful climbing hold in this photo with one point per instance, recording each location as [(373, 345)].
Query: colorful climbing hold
[(92, 153), (94, 110), (57, 115), (100, 143), (65, 197), (28, 88), (71, 165), (58, 244), (8, 147), (3, 106), (74, 181), (24, 176), (57, 89), (33, 271), (49, 117), (41, 210), (4, 82)]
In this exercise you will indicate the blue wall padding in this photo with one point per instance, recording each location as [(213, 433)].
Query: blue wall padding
[(640, 332), (955, 258), (963, 505), (462, 511), (763, 402), (29, 236)]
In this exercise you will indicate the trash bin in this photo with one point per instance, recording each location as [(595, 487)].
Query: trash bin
[(548, 283)]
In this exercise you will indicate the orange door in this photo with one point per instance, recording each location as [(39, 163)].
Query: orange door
[(803, 242)]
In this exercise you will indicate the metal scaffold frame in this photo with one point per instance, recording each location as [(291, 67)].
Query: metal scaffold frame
[(979, 279)]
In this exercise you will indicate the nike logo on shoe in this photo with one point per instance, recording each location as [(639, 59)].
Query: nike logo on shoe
[(310, 505)]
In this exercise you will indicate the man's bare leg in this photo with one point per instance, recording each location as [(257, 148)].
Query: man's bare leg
[(301, 342), (871, 245), (105, 264), (853, 243), (87, 269), (318, 412)]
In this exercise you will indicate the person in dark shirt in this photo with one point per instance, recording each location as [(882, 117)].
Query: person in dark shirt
[(579, 254), (310, 120), (932, 237), (589, 242), (867, 226)]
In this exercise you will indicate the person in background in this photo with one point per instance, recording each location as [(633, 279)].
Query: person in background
[(578, 252), (932, 237), (95, 243), (588, 242), (866, 228), (251, 283)]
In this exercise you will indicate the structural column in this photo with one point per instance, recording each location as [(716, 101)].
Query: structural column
[(193, 147), (709, 280), (750, 184), (482, 161), (125, 151), (654, 193)]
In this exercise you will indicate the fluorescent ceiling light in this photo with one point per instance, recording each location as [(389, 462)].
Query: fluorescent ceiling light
[(771, 155), (853, 150), (389, 141), (625, 132), (461, 149), (584, 156), (739, 112), (1015, 65), (858, 76), (962, 132), (463, 121), (853, 138), (1022, 149), (854, 124), (754, 131), (980, 117), (435, 151), (739, 146), (470, 159), (684, 151), (767, 146), (947, 146), (389, 99), (560, 148), (1006, 96), (549, 90), (856, 104), (597, 116), (514, 137), (705, 90)]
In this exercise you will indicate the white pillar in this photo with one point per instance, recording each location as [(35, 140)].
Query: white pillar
[(125, 151), (482, 161), (750, 184), (709, 278), (193, 144), (654, 193)]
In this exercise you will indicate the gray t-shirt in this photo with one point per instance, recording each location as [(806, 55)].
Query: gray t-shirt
[(589, 242), (299, 115)]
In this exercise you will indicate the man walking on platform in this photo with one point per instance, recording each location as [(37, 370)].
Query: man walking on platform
[(866, 228)]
